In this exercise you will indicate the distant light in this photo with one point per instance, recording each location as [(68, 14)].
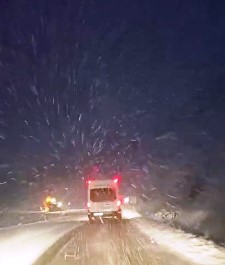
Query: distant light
[(53, 200), (89, 181), (59, 204), (126, 200), (48, 199), (118, 203), (88, 204)]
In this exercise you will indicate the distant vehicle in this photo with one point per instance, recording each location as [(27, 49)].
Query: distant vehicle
[(50, 204), (103, 200)]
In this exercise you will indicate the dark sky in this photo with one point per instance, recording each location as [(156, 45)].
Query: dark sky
[(79, 79)]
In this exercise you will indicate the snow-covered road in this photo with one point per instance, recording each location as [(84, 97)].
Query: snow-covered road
[(135, 241)]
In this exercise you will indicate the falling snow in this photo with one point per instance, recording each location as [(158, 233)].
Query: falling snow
[(83, 84)]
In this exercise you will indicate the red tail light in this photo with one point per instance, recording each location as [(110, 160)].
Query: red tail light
[(115, 180), (88, 182), (118, 203)]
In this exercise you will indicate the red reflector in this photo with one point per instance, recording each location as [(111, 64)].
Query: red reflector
[(118, 203)]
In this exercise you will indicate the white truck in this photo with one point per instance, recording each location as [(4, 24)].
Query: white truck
[(103, 200)]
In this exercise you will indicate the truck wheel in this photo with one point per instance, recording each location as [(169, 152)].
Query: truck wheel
[(91, 221), (119, 217)]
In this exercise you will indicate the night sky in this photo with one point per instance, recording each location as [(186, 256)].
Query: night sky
[(121, 81)]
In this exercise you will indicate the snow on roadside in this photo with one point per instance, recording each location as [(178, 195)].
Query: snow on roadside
[(15, 218), (24, 246), (195, 249)]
